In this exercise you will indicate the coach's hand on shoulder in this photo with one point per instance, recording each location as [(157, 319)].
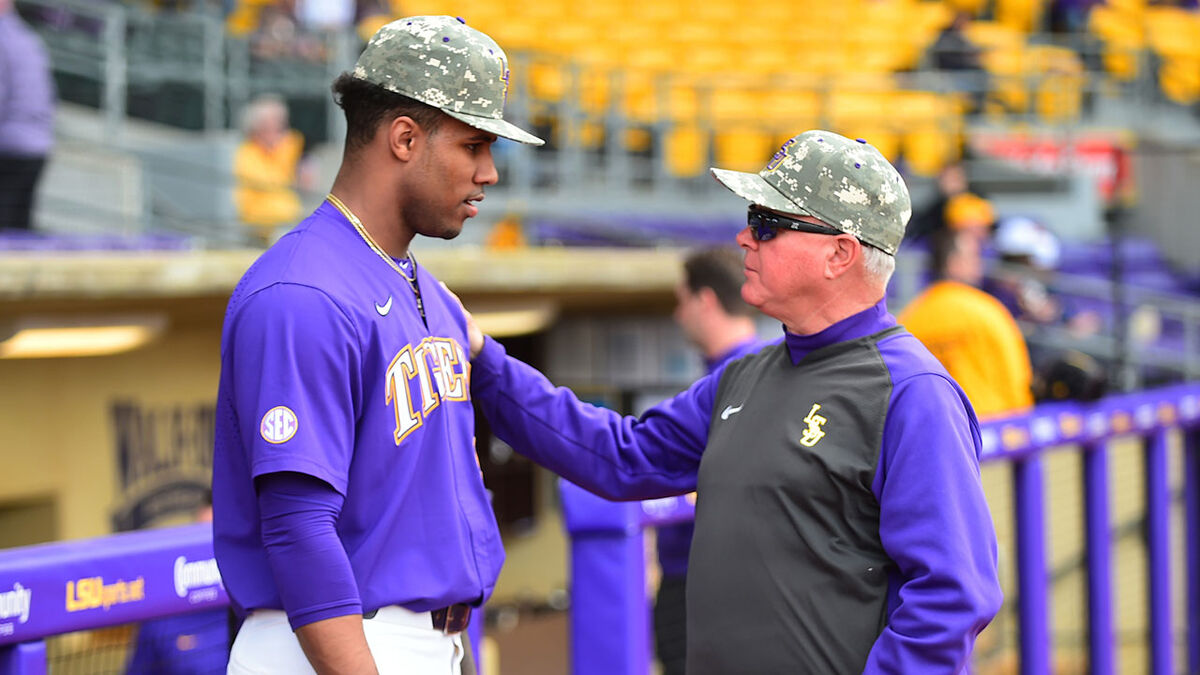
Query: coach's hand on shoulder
[(474, 335)]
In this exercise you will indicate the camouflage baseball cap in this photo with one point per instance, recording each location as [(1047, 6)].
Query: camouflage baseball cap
[(846, 184), (441, 61)]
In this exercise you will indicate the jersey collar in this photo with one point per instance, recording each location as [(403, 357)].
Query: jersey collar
[(867, 322)]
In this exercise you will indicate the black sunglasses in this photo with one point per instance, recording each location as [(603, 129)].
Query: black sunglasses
[(763, 225)]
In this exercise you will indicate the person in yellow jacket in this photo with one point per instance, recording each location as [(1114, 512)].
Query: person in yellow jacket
[(267, 169), (969, 331)]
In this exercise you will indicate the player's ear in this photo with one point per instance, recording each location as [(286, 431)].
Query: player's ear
[(402, 136), (708, 297)]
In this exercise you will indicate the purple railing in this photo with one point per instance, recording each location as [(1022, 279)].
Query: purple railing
[(63, 587), (610, 630)]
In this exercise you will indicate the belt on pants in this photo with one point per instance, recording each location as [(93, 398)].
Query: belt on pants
[(452, 619)]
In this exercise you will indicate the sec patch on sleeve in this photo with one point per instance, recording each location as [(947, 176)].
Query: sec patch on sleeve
[(278, 425)]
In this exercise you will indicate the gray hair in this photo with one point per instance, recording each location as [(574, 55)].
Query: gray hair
[(878, 264), (261, 108)]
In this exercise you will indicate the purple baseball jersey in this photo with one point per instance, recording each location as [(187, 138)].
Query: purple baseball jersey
[(327, 369)]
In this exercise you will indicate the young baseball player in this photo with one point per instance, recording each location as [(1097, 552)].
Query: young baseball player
[(351, 524)]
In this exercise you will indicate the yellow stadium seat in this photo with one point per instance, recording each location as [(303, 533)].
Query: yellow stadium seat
[(1179, 79), (991, 35), (1020, 15), (681, 100), (715, 76), (788, 110), (927, 150), (1059, 92), (594, 87), (1123, 37), (932, 130), (731, 104), (856, 108), (598, 13), (424, 7), (514, 35), (686, 150), (1134, 7), (972, 7), (244, 18), (1170, 31), (716, 13), (639, 95), (547, 80), (866, 111), (571, 36), (742, 147)]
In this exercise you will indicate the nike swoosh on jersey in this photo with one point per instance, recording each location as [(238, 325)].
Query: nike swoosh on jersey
[(730, 410), (385, 307)]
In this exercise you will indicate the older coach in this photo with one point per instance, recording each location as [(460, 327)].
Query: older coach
[(840, 523)]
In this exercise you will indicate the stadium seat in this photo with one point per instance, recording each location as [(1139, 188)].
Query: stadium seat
[(1059, 92), (686, 150), (1122, 36), (1023, 16), (1173, 34), (711, 75), (933, 131), (742, 146)]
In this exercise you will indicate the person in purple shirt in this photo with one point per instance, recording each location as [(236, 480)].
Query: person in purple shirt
[(720, 325), (184, 644), (351, 524), (26, 117), (841, 525)]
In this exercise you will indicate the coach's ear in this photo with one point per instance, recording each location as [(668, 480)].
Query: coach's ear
[(841, 254), (403, 135)]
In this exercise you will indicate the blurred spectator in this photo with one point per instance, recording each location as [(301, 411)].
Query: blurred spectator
[(951, 181), (971, 214), (969, 331), (1073, 376), (27, 102), (325, 15), (268, 168), (507, 233), (373, 14), (1029, 252), (1069, 16), (273, 30), (276, 35), (187, 644), (953, 51)]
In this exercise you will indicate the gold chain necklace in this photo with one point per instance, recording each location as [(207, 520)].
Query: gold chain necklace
[(366, 236)]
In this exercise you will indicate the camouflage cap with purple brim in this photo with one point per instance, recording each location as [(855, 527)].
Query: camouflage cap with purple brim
[(846, 184), (440, 61)]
